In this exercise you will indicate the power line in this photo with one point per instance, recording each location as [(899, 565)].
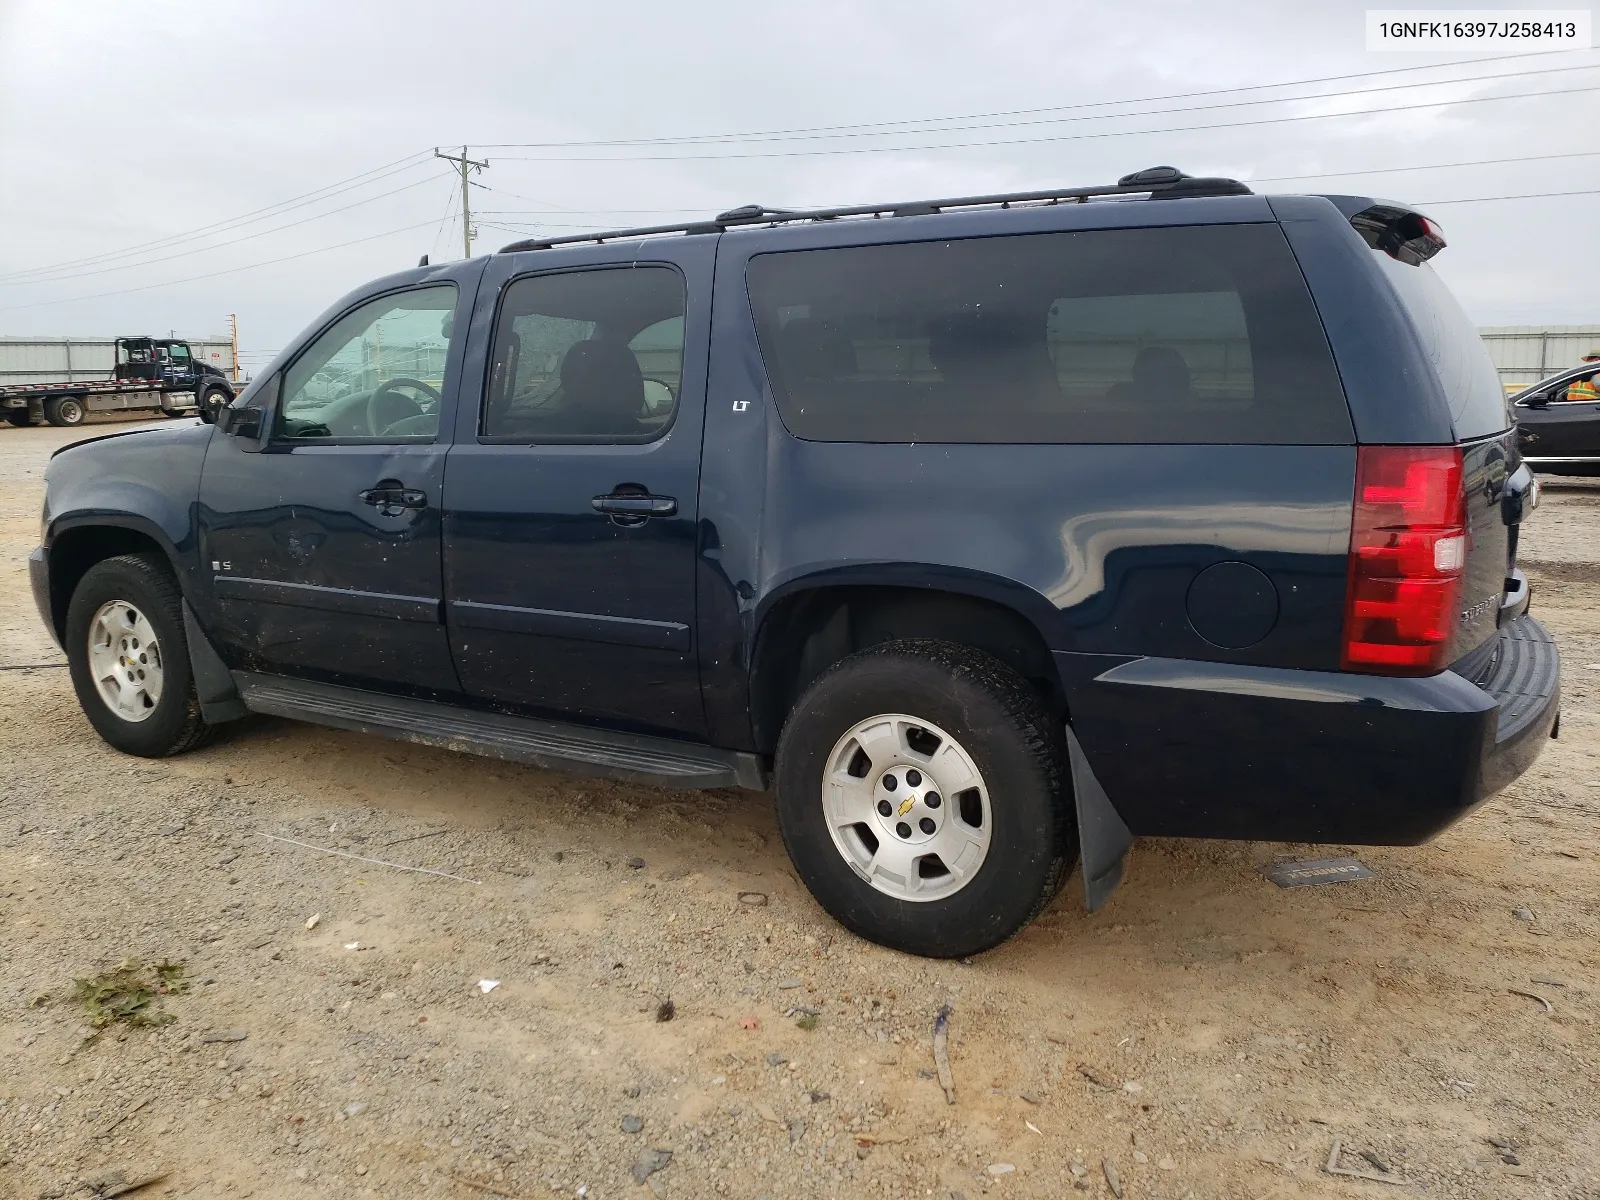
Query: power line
[(1482, 162), (1074, 137), (1491, 199), (215, 246), (1154, 112), (848, 130), (449, 207), (227, 271), (323, 193)]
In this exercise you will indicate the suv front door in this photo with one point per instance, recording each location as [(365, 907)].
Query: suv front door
[(322, 536), (572, 489)]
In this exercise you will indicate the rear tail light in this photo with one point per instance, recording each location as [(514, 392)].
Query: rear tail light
[(1408, 547)]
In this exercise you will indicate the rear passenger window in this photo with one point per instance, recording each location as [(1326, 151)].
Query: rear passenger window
[(587, 356), (1200, 334)]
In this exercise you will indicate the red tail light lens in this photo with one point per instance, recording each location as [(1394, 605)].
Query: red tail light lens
[(1408, 547)]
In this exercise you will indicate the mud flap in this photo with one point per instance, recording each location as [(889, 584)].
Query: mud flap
[(1103, 837), (213, 682)]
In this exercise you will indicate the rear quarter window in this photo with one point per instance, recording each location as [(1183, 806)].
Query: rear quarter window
[(1198, 335), (1478, 403)]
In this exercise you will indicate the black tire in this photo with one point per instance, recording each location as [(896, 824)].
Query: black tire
[(1003, 726), (65, 411), (19, 416), (145, 583)]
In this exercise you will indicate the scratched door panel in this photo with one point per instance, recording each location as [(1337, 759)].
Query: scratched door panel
[(312, 579)]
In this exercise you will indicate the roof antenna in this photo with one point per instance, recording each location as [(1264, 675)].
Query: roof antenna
[(423, 261)]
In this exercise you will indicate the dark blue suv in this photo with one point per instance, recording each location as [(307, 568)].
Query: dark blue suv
[(988, 532)]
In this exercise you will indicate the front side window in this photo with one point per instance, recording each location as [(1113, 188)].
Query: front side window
[(377, 372), (1583, 390), (180, 354), (1201, 334), (587, 356)]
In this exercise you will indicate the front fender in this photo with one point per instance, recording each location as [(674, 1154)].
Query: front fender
[(143, 481)]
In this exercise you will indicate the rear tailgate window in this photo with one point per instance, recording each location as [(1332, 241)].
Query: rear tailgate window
[(1478, 404), (1190, 335)]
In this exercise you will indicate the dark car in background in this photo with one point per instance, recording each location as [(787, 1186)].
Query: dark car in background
[(1558, 422), (988, 532)]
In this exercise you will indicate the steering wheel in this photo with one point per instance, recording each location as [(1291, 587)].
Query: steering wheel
[(386, 406)]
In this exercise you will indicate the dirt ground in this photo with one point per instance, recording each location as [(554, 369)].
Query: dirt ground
[(1207, 1035)]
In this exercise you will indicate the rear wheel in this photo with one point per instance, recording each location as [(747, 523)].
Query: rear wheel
[(923, 797), (129, 658), (65, 410), (19, 416)]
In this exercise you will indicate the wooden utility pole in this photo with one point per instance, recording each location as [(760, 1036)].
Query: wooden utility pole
[(464, 165), (233, 324)]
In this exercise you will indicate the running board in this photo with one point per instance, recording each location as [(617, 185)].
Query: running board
[(576, 749)]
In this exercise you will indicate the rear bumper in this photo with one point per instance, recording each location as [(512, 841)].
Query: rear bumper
[(1526, 685), (1195, 749), (39, 581)]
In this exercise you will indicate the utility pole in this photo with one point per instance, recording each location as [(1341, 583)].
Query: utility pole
[(465, 165), (233, 324)]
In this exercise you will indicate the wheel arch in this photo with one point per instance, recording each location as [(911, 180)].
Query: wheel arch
[(77, 545), (811, 622)]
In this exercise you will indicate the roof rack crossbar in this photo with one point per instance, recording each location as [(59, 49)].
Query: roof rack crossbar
[(1155, 182)]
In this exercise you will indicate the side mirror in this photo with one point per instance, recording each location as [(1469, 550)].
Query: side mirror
[(1542, 400), (241, 422), (248, 421)]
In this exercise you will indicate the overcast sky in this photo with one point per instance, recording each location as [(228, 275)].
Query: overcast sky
[(128, 123)]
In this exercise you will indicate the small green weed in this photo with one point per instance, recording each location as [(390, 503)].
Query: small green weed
[(807, 1022), (125, 992)]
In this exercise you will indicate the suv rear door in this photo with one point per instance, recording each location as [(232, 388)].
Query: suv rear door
[(570, 528)]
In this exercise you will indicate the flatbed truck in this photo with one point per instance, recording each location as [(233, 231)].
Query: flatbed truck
[(150, 373)]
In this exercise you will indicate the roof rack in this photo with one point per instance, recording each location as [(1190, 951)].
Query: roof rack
[(1158, 183)]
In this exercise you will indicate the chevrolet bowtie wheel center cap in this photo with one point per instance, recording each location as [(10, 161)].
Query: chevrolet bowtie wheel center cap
[(910, 806)]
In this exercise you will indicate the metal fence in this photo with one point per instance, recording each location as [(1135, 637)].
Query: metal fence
[(75, 360), (1525, 354)]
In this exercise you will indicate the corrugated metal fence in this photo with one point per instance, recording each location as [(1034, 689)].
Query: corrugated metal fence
[(1525, 354), (71, 360)]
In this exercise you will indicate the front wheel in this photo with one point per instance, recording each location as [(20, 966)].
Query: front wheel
[(129, 659), (922, 794)]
